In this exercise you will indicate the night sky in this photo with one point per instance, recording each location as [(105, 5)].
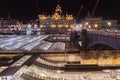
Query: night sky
[(28, 9)]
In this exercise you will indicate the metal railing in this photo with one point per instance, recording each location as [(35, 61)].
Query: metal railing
[(105, 33)]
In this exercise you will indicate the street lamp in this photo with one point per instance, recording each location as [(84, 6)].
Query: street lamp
[(80, 25), (89, 27), (96, 26), (109, 25), (86, 23)]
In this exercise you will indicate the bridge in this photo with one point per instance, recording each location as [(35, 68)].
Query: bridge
[(91, 38)]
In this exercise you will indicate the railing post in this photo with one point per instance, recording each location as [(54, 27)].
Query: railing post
[(108, 34), (84, 39), (115, 34)]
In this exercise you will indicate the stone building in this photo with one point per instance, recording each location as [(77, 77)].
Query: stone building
[(56, 23)]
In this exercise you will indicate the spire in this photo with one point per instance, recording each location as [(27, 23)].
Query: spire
[(58, 9), (9, 17)]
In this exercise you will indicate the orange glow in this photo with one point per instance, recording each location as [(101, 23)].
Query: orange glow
[(53, 26), (96, 25), (42, 17), (41, 26), (72, 26), (60, 25), (66, 26)]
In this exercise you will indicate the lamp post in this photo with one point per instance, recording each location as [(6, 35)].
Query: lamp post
[(109, 25), (96, 26)]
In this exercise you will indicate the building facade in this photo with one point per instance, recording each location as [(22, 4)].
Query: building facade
[(56, 23), (8, 24), (99, 23)]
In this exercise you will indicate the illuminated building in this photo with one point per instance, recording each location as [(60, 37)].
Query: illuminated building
[(99, 23), (56, 22), (7, 24)]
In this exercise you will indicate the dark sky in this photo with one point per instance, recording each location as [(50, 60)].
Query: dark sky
[(27, 9)]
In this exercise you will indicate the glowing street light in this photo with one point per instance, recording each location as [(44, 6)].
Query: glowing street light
[(89, 26), (80, 25), (96, 25), (58, 71), (109, 23), (86, 23), (41, 26)]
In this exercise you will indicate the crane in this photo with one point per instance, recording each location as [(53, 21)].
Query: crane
[(95, 8), (79, 11)]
